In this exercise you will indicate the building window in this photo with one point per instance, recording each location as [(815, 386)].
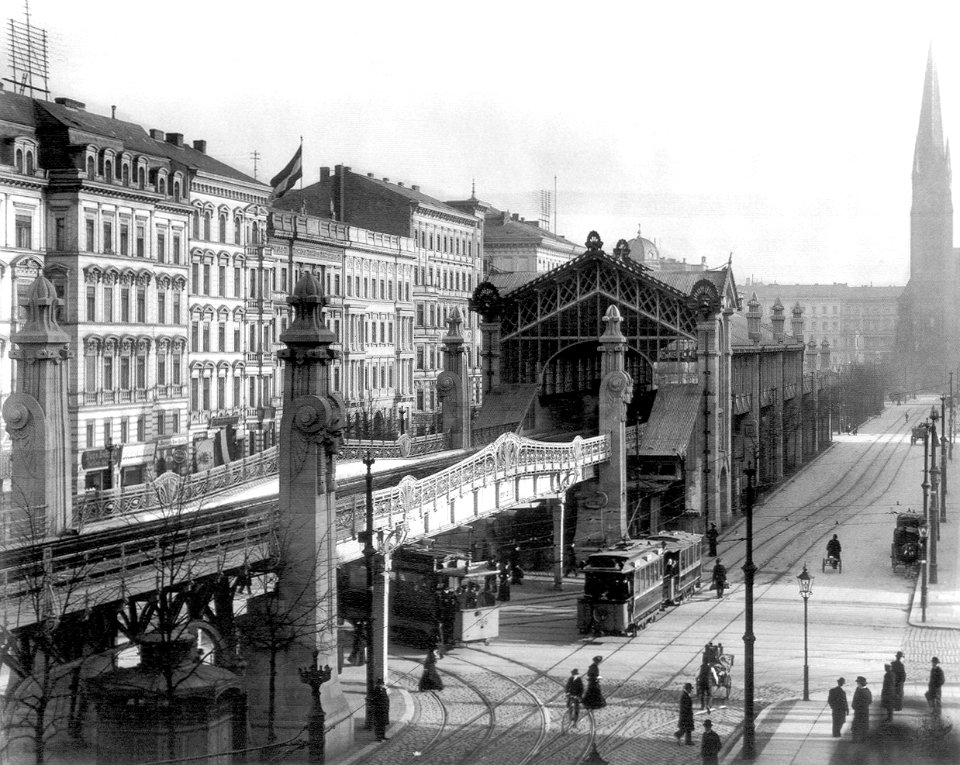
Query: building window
[(194, 337), (206, 336), (196, 225), (195, 394), (90, 382), (221, 337), (161, 369), (141, 305), (108, 304), (125, 304), (161, 247), (108, 171), (141, 373), (237, 282), (90, 227), (124, 430), (59, 233), (124, 239), (237, 228), (124, 373), (222, 392), (142, 428), (107, 432), (161, 423), (223, 227), (161, 307), (126, 180), (91, 303), (108, 237), (206, 393), (236, 339), (222, 281), (141, 240), (175, 422), (176, 249), (176, 366), (90, 434), (420, 315), (237, 390), (24, 231), (176, 307), (195, 281), (206, 279), (108, 372), (206, 225)]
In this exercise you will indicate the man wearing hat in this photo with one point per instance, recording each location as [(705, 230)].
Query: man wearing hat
[(862, 699), (685, 725), (899, 677), (934, 685), (574, 691), (888, 695), (837, 699), (710, 744)]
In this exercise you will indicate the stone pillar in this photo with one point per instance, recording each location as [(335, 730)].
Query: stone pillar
[(453, 388), (777, 404), (709, 358), (616, 390), (813, 431), (491, 354), (310, 434), (38, 421), (778, 320)]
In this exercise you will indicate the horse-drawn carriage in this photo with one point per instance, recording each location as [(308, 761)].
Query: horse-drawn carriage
[(717, 670), (918, 433), (907, 545)]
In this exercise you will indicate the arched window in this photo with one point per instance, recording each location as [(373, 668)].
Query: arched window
[(206, 225), (90, 168), (236, 230), (223, 227), (176, 189), (126, 174), (19, 160), (256, 233), (107, 170), (141, 177), (162, 185), (196, 225), (29, 162)]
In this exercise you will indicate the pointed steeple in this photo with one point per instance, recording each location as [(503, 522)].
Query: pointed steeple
[(930, 152)]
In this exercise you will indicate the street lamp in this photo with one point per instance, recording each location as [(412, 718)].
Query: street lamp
[(108, 445), (403, 420), (943, 461), (933, 515), (749, 569), (806, 588), (923, 571), (368, 554)]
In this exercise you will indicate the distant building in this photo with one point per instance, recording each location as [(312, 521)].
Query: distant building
[(859, 323), (448, 243), (648, 253)]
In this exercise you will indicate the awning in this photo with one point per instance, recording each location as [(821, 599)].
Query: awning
[(667, 431), (506, 405)]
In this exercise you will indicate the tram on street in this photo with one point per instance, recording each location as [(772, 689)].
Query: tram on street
[(437, 596), (627, 585)]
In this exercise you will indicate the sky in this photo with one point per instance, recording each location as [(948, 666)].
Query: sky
[(780, 133)]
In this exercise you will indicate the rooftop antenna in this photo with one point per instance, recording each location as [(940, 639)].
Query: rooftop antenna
[(546, 208), (255, 156), (28, 57)]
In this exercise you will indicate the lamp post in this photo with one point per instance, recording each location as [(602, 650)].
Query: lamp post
[(368, 556), (933, 515), (403, 421), (806, 588), (108, 445), (749, 569), (943, 461), (923, 571)]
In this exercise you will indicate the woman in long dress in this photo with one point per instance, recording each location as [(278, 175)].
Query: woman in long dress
[(430, 679), (593, 697)]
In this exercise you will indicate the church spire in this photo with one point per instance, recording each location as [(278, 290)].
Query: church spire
[(930, 151)]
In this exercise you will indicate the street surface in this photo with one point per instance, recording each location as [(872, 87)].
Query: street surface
[(503, 703)]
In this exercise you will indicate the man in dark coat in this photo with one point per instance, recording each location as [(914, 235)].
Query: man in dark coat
[(574, 691), (934, 685), (862, 699), (900, 677), (719, 577), (837, 699), (380, 706), (685, 724), (712, 535), (888, 694), (710, 744), (570, 561), (704, 686)]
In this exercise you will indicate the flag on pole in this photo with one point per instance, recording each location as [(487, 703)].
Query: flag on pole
[(283, 181)]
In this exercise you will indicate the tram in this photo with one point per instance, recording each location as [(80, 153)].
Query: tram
[(436, 596), (627, 585)]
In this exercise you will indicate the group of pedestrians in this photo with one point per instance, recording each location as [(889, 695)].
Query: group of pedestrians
[(710, 743), (589, 697), (891, 697)]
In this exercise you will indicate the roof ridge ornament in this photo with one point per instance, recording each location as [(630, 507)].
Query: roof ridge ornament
[(594, 242)]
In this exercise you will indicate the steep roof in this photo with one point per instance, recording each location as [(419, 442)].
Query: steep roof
[(668, 429), (17, 109), (684, 280), (508, 282), (500, 227)]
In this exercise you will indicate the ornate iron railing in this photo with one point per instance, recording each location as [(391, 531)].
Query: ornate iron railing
[(403, 447)]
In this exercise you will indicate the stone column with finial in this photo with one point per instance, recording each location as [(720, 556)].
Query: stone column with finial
[(616, 391), (306, 591), (453, 387), (37, 419)]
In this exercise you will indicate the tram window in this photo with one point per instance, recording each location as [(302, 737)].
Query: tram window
[(594, 587)]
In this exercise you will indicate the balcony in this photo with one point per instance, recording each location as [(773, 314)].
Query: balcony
[(261, 359)]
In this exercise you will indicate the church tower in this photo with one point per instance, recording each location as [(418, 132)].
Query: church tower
[(928, 322)]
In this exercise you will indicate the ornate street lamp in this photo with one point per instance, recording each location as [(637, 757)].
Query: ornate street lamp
[(749, 569), (368, 554), (923, 571), (806, 589), (933, 516)]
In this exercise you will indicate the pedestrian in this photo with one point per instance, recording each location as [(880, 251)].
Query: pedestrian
[(719, 577), (710, 744), (935, 685), (709, 653), (685, 723), (900, 677), (704, 689), (430, 679), (570, 564), (712, 535), (574, 691), (837, 699), (504, 592), (593, 696), (862, 699), (888, 694), (380, 709), (358, 654)]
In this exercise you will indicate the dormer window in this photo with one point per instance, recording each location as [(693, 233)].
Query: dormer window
[(107, 170), (91, 169), (19, 160), (161, 185)]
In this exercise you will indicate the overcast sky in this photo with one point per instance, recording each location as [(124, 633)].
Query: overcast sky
[(781, 132)]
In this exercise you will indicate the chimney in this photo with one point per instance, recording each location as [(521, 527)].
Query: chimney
[(324, 174), (386, 180), (156, 135), (810, 363), (825, 354), (369, 175), (400, 184), (516, 217), (415, 187), (200, 146), (71, 103), (796, 323), (113, 112), (753, 318), (175, 138), (777, 319)]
